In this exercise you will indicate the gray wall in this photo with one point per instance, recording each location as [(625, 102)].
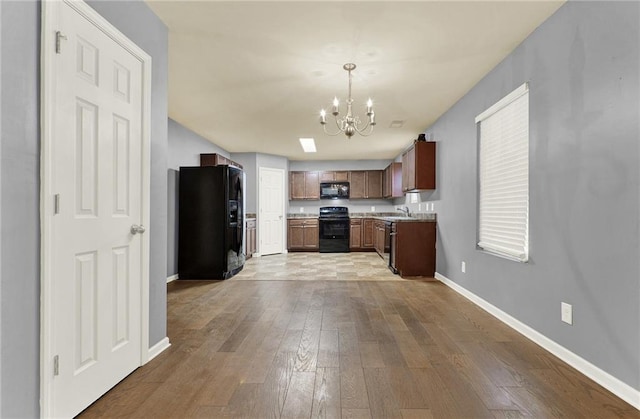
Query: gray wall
[(19, 202), (583, 68), (0, 204), (20, 189), (250, 167), (185, 147)]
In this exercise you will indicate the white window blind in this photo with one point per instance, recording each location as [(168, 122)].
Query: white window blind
[(503, 226)]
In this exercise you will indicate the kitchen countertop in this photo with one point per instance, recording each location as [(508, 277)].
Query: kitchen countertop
[(385, 216), (422, 218), (301, 215)]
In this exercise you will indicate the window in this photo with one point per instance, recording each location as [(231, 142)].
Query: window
[(503, 218)]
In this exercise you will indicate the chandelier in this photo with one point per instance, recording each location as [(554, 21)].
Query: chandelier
[(349, 124)]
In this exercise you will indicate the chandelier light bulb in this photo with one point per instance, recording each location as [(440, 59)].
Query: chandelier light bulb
[(349, 124), (323, 117)]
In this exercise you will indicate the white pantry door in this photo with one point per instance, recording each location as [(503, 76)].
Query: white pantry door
[(95, 229), (271, 216)]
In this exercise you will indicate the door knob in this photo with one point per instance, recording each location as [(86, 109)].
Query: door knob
[(135, 229)]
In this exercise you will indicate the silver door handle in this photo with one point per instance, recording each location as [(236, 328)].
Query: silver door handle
[(135, 229)]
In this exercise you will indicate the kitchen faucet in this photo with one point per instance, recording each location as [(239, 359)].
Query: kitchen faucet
[(404, 209)]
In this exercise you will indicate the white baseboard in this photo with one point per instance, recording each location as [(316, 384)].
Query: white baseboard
[(172, 278), (158, 348), (606, 380)]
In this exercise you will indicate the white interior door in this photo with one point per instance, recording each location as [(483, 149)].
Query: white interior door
[(95, 276), (271, 217)]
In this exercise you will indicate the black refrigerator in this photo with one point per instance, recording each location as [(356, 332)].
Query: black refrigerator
[(210, 222)]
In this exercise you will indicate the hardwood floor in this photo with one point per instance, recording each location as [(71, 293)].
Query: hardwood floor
[(372, 346)]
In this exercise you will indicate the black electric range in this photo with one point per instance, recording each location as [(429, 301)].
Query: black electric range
[(334, 229)]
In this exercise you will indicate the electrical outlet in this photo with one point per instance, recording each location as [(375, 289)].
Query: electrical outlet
[(301, 209), (463, 267), (373, 209), (566, 313)]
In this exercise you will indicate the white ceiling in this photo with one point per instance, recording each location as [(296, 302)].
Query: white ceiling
[(253, 76)]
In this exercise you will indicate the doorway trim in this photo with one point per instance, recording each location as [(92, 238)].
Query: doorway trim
[(50, 22)]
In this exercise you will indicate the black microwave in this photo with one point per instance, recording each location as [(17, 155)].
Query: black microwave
[(334, 190)]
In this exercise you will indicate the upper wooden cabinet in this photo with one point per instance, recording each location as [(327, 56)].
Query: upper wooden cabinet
[(304, 185), (365, 184), (419, 167), (334, 176), (214, 159), (392, 181)]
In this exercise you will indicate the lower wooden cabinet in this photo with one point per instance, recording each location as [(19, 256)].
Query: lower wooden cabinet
[(303, 234), (367, 233), (355, 233), (251, 238), (413, 249), (379, 236)]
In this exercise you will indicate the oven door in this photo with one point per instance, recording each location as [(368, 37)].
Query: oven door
[(334, 235)]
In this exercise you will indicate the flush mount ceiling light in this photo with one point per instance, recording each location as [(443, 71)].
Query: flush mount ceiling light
[(308, 145), (349, 124)]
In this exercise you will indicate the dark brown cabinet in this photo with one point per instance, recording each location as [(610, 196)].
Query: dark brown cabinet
[(374, 184), (365, 184), (357, 184), (304, 185), (334, 176), (379, 238), (302, 234), (419, 167), (367, 233), (413, 249), (355, 233), (392, 181), (251, 237), (214, 159)]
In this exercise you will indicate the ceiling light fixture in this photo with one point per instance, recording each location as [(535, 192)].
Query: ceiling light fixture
[(349, 124)]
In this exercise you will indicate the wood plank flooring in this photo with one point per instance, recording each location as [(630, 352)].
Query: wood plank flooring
[(368, 346)]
